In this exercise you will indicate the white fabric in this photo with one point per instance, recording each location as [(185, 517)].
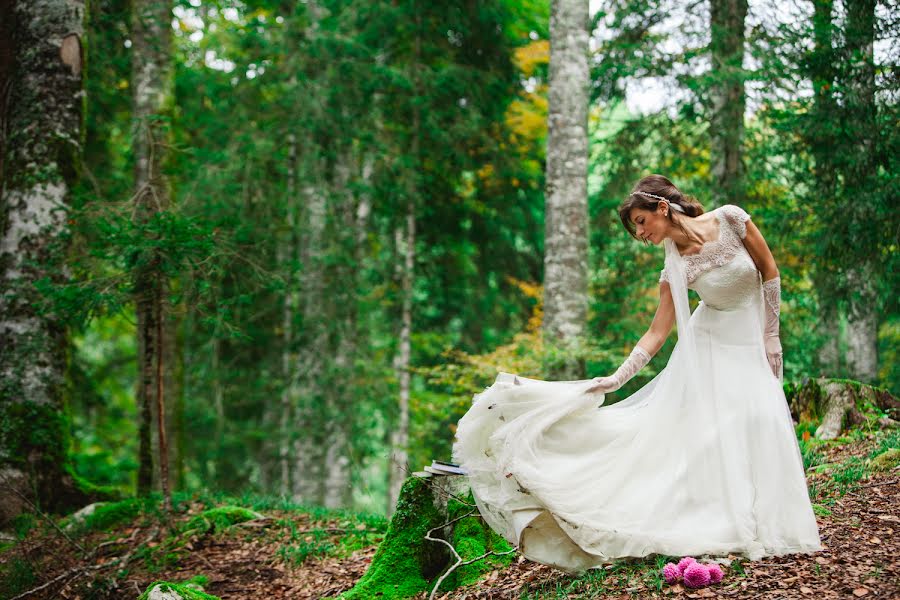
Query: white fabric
[(772, 309), (701, 460)]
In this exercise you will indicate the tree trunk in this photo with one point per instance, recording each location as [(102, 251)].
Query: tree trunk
[(41, 77), (338, 490), (566, 237), (399, 467), (836, 403), (287, 259), (308, 476), (152, 76), (727, 99), (862, 316)]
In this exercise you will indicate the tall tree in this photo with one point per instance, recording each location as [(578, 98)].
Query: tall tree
[(41, 67), (153, 98), (727, 99), (566, 235)]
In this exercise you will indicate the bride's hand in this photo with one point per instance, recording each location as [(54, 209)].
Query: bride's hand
[(601, 385), (775, 355)]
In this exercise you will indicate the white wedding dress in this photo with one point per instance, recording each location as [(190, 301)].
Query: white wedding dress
[(702, 460)]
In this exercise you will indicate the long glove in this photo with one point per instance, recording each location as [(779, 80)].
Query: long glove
[(634, 363), (772, 295)]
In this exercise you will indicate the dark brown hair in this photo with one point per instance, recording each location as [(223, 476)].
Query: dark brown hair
[(658, 186)]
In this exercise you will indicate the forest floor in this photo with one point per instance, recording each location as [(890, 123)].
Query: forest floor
[(304, 554)]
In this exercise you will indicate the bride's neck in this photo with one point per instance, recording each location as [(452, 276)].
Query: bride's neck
[(684, 232)]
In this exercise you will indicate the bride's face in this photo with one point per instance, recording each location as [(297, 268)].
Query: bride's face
[(652, 226)]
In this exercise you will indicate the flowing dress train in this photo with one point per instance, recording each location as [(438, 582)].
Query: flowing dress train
[(701, 460)]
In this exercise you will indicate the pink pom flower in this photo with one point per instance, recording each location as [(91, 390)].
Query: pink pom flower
[(715, 573), (696, 575), (671, 573), (683, 564)]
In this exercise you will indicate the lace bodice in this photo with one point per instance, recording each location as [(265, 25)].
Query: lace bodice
[(723, 272)]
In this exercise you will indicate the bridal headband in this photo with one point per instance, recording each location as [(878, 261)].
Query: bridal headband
[(666, 200)]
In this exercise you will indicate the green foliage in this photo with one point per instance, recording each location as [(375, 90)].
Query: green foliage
[(16, 576), (110, 516)]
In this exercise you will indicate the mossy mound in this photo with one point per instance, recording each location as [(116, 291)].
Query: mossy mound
[(887, 460), (166, 590), (220, 518), (106, 516)]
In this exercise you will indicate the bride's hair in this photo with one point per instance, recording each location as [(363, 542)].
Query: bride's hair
[(657, 185)]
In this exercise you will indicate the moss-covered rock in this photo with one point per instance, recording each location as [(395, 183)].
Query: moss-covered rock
[(220, 518), (165, 590), (838, 403)]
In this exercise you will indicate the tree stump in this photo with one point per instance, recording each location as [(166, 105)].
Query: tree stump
[(407, 563), (837, 403)]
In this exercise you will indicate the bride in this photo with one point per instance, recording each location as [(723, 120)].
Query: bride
[(701, 460)]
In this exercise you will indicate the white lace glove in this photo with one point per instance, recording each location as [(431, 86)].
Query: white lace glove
[(772, 296), (634, 363)]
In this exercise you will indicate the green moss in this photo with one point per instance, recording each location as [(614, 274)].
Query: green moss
[(887, 460), (185, 590), (110, 516), (472, 537), (220, 518), (405, 561)]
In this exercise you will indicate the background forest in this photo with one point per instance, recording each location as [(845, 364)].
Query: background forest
[(310, 231)]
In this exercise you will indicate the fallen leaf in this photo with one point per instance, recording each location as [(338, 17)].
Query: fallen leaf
[(860, 592)]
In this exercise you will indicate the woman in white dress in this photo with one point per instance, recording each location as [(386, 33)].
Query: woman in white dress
[(702, 460)]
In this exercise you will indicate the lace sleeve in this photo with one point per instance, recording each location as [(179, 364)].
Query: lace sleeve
[(737, 217), (663, 276)]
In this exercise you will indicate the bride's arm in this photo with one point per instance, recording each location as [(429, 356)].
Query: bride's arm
[(771, 287), (662, 323), (759, 252), (646, 347)]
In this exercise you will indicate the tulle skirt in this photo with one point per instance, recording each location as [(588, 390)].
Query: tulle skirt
[(698, 461)]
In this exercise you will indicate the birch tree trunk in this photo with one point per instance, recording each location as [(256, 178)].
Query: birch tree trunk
[(152, 76), (288, 255), (341, 414), (40, 149), (308, 476), (566, 236), (399, 467), (862, 316), (727, 99)]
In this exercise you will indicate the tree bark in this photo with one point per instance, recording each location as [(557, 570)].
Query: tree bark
[(727, 99), (41, 80), (566, 236), (153, 97)]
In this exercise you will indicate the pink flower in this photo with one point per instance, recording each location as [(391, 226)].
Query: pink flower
[(696, 575), (715, 573), (683, 564), (671, 573)]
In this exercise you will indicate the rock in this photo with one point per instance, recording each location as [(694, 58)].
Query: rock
[(81, 515), (164, 590)]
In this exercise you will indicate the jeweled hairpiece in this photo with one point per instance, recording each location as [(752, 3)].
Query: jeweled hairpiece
[(666, 200)]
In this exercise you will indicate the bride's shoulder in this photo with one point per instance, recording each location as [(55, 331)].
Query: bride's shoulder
[(736, 216)]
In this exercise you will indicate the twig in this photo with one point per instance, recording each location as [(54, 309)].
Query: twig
[(459, 561)]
